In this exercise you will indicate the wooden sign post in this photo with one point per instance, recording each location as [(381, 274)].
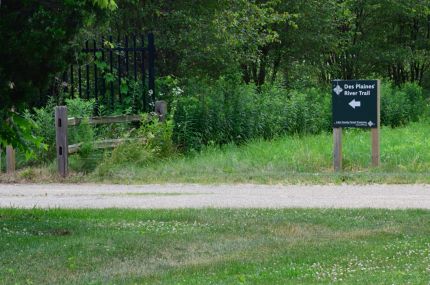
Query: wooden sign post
[(356, 104), (337, 149), (376, 148)]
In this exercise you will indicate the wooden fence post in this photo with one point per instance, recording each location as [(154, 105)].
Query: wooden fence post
[(10, 159), (61, 139), (161, 110)]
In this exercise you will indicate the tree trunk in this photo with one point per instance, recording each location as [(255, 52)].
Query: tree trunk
[(262, 70), (276, 65), (246, 74)]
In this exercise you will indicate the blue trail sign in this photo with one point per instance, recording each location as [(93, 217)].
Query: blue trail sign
[(355, 103)]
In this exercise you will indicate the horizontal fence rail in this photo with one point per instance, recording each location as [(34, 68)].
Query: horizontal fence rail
[(104, 120), (103, 144)]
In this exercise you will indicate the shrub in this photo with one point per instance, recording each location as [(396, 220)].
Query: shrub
[(81, 109), (187, 131), (43, 119), (135, 152), (215, 113), (415, 94), (308, 112), (86, 159), (153, 141), (400, 106), (157, 136), (224, 111)]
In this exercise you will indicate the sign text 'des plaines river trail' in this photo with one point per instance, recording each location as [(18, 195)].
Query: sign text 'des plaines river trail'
[(355, 103)]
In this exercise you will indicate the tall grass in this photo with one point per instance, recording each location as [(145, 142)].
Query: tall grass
[(227, 111), (405, 157)]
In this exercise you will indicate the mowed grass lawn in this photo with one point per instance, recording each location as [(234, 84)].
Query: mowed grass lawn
[(405, 157), (214, 246)]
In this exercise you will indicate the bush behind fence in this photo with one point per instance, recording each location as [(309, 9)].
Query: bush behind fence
[(225, 111)]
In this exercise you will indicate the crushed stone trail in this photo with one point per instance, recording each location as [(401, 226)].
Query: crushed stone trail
[(171, 196)]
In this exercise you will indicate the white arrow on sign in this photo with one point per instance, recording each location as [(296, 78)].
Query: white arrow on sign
[(355, 104), (371, 124)]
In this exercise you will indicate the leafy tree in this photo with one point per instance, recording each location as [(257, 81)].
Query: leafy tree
[(310, 34), (289, 41), (389, 37), (196, 38), (35, 37), (404, 53)]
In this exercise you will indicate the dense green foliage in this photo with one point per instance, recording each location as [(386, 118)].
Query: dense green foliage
[(212, 113), (223, 111), (231, 70), (295, 42), (154, 141), (36, 39), (400, 106)]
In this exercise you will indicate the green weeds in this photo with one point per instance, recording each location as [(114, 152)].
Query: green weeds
[(405, 158)]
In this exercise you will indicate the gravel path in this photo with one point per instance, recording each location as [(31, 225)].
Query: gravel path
[(218, 196)]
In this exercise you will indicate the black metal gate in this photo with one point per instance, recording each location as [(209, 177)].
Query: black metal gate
[(114, 72)]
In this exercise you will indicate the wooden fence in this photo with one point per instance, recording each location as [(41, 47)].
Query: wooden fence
[(63, 149), (62, 122)]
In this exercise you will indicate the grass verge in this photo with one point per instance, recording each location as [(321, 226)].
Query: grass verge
[(214, 246), (405, 157)]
